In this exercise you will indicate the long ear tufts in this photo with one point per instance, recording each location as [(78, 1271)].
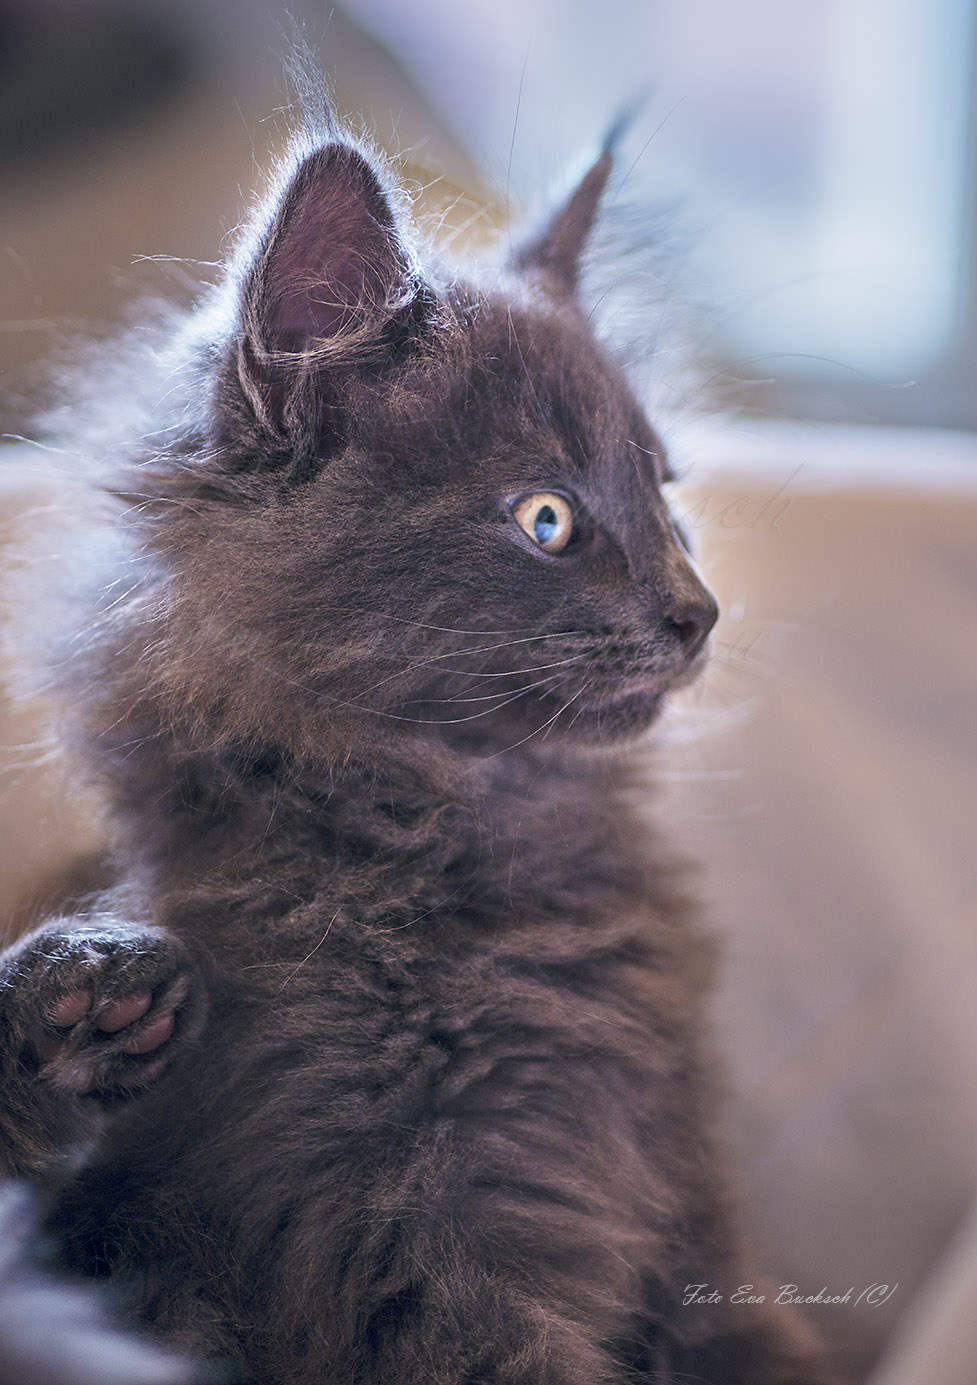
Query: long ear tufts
[(623, 121), (310, 92)]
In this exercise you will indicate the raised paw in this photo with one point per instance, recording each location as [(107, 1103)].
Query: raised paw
[(98, 1010)]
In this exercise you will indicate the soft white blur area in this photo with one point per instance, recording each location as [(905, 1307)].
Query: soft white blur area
[(820, 148)]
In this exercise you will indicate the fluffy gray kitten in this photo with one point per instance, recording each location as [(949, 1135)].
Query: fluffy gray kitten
[(382, 1061)]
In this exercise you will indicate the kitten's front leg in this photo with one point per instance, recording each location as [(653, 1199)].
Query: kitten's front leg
[(92, 1013)]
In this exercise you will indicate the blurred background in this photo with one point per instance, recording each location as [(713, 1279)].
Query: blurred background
[(820, 150), (809, 170)]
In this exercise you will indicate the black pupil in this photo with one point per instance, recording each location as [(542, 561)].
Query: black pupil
[(546, 524)]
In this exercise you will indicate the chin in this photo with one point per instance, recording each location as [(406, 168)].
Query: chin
[(610, 720), (590, 718), (617, 719), (617, 714), (624, 712)]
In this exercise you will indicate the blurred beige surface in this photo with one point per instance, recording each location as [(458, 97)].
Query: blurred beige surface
[(833, 801)]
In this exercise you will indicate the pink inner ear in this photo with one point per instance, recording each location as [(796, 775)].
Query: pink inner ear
[(334, 256)]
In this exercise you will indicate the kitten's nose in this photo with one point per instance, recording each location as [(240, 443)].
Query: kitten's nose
[(692, 619)]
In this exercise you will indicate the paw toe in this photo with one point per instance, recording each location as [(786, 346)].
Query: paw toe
[(69, 1009), (152, 1036), (120, 1013)]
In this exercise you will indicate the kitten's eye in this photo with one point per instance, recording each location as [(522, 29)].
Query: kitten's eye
[(546, 518)]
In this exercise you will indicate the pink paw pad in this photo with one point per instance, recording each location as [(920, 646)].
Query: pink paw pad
[(109, 1023), (69, 1009), (152, 1036), (120, 1013)]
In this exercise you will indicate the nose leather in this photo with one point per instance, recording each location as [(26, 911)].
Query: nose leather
[(693, 619), (690, 609)]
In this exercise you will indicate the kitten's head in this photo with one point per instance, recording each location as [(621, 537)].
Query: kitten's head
[(418, 506)]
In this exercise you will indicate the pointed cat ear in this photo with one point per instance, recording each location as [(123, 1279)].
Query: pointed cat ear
[(332, 262), (556, 254), (330, 274)]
